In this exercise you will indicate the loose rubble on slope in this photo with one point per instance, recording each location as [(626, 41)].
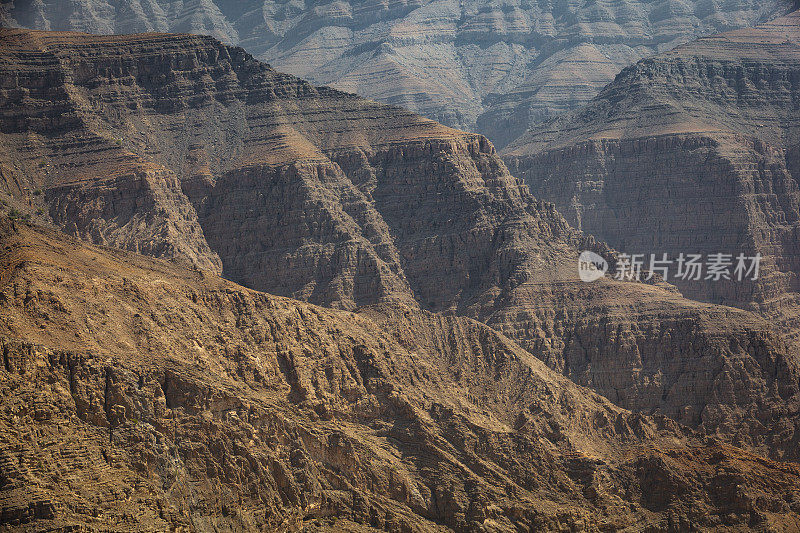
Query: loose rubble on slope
[(431, 393)]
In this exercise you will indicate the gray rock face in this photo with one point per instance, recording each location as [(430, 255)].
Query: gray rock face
[(489, 66), (695, 150)]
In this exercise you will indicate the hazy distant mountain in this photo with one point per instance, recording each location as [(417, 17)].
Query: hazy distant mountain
[(489, 66), (694, 150)]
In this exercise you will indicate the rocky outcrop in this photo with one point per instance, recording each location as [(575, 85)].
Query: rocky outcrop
[(192, 124), (691, 151), (180, 147), (94, 186), (495, 67), (150, 396)]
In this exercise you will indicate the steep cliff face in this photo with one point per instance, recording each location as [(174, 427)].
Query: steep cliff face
[(493, 65), (96, 188), (691, 151), (325, 197), (146, 395), (304, 192), (166, 117)]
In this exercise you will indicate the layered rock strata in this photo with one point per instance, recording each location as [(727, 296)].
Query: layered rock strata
[(693, 151), (492, 66), (141, 395), (181, 147)]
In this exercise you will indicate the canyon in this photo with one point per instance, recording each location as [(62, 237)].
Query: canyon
[(142, 394), (495, 67), (351, 317)]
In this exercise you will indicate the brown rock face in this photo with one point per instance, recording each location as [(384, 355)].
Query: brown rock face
[(149, 396), (136, 205), (321, 196), (692, 151), (490, 66), (190, 108)]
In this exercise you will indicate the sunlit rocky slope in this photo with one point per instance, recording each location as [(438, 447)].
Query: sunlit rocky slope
[(179, 147), (139, 395)]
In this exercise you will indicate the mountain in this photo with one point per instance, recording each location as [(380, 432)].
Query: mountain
[(490, 66), (694, 150), (139, 394), (182, 148)]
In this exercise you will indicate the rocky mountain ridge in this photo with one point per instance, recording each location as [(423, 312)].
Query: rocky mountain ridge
[(181, 147), (695, 150), (150, 396), (493, 67)]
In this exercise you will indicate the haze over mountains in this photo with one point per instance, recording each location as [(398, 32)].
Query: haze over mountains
[(354, 318), (488, 66), (694, 150), (221, 405)]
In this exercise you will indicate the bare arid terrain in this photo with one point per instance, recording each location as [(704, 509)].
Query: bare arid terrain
[(141, 395), (234, 301), (697, 149), (491, 66)]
